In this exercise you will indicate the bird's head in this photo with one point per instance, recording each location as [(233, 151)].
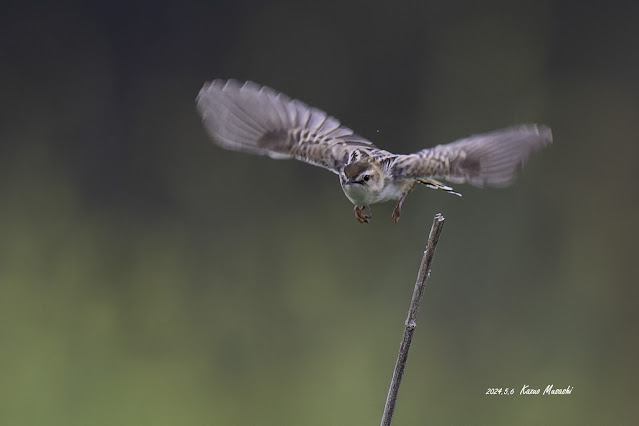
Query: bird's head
[(362, 176)]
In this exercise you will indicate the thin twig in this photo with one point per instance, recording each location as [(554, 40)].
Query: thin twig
[(411, 324)]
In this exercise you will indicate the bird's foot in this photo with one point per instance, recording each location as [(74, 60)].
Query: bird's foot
[(362, 214), (397, 211)]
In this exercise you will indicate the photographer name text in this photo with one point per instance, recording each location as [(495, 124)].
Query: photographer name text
[(527, 390)]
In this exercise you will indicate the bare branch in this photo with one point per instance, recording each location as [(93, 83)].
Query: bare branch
[(411, 324)]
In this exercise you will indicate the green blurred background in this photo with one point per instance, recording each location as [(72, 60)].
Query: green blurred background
[(149, 278)]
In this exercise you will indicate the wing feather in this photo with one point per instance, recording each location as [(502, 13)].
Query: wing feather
[(256, 119), (489, 159)]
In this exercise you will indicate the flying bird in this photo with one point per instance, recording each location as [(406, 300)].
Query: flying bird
[(247, 117)]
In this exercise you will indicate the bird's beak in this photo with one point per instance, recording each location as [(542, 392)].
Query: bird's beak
[(352, 181)]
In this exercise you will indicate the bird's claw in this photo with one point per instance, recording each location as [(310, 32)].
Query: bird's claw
[(396, 213), (360, 214)]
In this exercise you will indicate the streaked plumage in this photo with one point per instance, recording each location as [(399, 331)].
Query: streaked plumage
[(256, 119)]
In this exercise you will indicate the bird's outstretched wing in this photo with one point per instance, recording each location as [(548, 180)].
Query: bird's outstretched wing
[(489, 159), (257, 119)]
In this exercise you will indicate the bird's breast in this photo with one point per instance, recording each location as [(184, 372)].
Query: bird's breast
[(362, 195)]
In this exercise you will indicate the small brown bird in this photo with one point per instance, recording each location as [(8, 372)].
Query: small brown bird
[(256, 119)]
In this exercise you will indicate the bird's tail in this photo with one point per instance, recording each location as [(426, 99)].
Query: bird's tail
[(435, 184)]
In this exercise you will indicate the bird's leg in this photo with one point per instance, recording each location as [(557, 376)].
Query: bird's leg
[(361, 215), (397, 211)]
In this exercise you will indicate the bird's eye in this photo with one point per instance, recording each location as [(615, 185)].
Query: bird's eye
[(366, 178)]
